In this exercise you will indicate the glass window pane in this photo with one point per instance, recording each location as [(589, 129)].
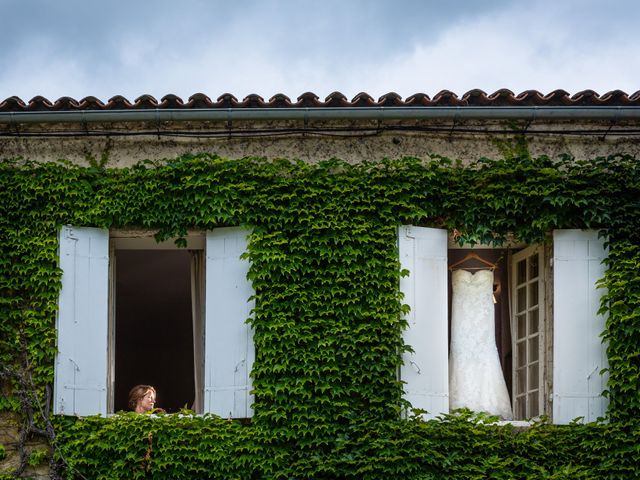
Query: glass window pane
[(534, 326), (521, 352), (521, 380), (521, 275), (533, 294), (534, 346), (522, 325), (522, 299), (534, 404), (533, 266), (534, 376), (521, 408)]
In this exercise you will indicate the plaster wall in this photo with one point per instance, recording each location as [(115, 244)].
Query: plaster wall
[(126, 144)]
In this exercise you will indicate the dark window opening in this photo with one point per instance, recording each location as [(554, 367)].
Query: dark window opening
[(154, 327)]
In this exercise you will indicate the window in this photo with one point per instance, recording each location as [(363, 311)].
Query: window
[(155, 310), (153, 340), (92, 319), (553, 354)]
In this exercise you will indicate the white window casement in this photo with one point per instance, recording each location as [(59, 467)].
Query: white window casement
[(527, 331), (552, 350), (93, 307)]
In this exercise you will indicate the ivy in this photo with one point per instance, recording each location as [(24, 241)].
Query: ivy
[(461, 446), (328, 330)]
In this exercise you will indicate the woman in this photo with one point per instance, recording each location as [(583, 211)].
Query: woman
[(142, 398)]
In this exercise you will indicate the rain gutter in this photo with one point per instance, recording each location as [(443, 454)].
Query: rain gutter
[(325, 113)]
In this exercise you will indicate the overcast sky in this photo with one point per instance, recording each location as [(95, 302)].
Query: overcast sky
[(103, 48)]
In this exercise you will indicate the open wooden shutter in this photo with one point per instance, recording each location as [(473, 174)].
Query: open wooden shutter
[(229, 350), (80, 386), (578, 352), (423, 251)]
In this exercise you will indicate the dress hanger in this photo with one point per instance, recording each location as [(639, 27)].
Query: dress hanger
[(473, 256)]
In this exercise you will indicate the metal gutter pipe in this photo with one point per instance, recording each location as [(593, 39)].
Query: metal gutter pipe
[(325, 113)]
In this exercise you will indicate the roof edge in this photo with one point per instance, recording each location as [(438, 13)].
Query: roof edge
[(445, 98)]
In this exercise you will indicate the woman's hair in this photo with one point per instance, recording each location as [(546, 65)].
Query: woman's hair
[(136, 394)]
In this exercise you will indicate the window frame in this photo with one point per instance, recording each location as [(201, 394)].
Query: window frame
[(597, 402), (134, 239), (236, 302)]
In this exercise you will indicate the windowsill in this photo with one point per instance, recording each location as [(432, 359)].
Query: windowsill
[(518, 424), (125, 413)]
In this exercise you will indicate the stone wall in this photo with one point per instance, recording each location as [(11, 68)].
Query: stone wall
[(10, 454), (127, 144), (123, 145)]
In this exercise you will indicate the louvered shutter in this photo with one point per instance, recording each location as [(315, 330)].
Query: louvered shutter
[(229, 350), (80, 386), (423, 251), (578, 352)]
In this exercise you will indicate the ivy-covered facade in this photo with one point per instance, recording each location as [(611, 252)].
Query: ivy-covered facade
[(328, 318)]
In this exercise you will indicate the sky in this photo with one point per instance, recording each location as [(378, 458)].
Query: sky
[(104, 48)]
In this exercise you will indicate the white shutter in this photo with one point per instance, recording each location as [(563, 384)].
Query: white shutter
[(80, 386), (229, 350), (423, 251), (578, 352)]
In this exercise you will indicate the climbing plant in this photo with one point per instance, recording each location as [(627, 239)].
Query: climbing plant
[(327, 321)]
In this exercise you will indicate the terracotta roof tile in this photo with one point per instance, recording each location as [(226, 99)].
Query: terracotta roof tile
[(91, 103), (615, 97), (418, 100), (476, 97), (391, 99), (529, 98), (145, 101), (12, 104), (200, 100), (280, 100), (336, 99), (118, 103), (557, 98), (226, 100), (502, 98), (586, 97), (39, 103), (252, 100), (171, 101), (308, 99), (363, 99), (444, 98), (66, 103)]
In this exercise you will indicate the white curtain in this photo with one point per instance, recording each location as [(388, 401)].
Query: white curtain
[(197, 313)]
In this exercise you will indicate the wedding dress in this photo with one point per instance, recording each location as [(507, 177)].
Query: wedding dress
[(475, 377)]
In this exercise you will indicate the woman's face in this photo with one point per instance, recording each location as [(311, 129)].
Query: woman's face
[(147, 402)]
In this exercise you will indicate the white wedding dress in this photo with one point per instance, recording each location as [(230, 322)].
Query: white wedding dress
[(475, 376)]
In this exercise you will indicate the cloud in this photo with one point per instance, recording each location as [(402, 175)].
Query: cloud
[(291, 47), (516, 49), (36, 68)]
